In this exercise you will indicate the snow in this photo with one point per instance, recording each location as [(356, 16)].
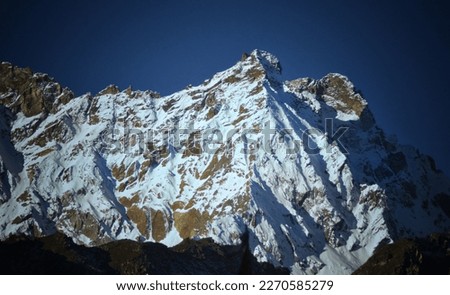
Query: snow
[(172, 238), (272, 171)]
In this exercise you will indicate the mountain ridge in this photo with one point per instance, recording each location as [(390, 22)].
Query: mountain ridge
[(59, 255), (300, 165)]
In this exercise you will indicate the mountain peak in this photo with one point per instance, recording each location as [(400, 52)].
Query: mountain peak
[(339, 92), (30, 93), (257, 67), (292, 165), (269, 61)]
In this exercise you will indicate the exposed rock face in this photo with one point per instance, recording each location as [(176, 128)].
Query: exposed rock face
[(29, 93), (299, 166), (112, 89), (339, 92)]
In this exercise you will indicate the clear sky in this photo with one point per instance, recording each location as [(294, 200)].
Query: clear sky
[(395, 52)]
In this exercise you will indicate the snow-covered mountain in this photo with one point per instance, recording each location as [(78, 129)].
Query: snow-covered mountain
[(300, 167)]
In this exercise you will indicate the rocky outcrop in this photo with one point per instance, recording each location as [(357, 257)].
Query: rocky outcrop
[(339, 92), (31, 94), (112, 89)]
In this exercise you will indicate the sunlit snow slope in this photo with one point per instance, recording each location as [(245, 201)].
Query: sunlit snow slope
[(300, 166)]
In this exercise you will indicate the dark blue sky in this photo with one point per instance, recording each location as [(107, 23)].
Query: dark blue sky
[(396, 52)]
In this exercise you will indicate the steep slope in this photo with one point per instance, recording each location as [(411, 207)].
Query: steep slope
[(299, 166)]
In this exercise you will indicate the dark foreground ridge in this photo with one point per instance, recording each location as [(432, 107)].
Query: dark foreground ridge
[(419, 256), (57, 254)]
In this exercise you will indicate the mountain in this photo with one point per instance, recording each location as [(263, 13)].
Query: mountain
[(57, 254), (298, 167), (418, 256)]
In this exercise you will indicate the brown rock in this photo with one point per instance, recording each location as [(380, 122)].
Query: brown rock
[(139, 217), (111, 89), (190, 223), (158, 225), (31, 93), (244, 56), (337, 87)]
